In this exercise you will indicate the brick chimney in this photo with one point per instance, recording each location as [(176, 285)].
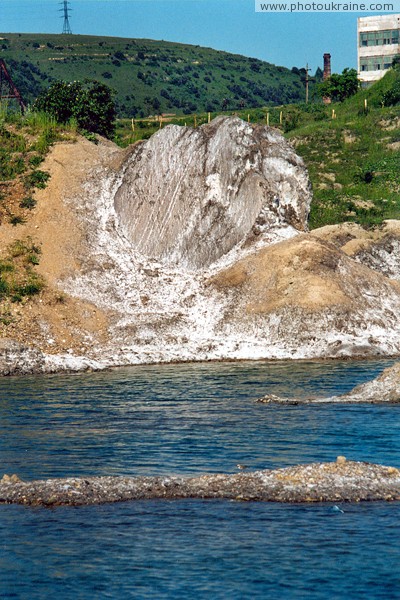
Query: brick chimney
[(327, 65)]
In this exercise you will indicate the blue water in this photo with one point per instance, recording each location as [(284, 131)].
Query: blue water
[(188, 419)]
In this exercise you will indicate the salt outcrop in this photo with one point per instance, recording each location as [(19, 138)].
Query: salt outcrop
[(383, 389), (309, 298), (19, 359), (341, 481), (188, 196), (191, 246), (377, 248)]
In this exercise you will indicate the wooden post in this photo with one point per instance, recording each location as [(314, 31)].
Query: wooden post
[(133, 125), (307, 79), (209, 117), (195, 121), (248, 118), (160, 118), (281, 118), (267, 119), (365, 105)]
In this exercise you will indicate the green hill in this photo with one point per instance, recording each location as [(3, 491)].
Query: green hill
[(150, 77)]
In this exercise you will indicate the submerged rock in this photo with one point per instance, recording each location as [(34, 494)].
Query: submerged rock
[(383, 389), (188, 196), (341, 481)]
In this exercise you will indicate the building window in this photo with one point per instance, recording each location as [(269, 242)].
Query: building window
[(379, 38), (376, 63)]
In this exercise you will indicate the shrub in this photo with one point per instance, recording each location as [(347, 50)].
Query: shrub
[(392, 96), (339, 87), (90, 103), (38, 179), (16, 220)]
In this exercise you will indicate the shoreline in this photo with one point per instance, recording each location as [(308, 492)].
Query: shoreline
[(22, 360)]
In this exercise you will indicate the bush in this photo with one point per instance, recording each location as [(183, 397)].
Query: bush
[(392, 96), (28, 202), (38, 179), (339, 87), (90, 103)]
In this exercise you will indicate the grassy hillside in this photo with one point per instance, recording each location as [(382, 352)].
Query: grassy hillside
[(150, 77), (354, 159)]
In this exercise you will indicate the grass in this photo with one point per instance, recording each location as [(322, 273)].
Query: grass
[(18, 279), (353, 160), (24, 142), (130, 131)]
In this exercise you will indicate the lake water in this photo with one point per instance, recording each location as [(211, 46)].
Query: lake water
[(188, 419)]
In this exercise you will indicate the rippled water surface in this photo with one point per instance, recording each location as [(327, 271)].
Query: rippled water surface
[(188, 419)]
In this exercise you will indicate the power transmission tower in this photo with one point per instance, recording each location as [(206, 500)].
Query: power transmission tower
[(65, 10), (8, 90)]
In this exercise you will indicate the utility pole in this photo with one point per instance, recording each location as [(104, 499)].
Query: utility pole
[(307, 79), (65, 10)]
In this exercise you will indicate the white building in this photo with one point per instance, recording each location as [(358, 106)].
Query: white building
[(378, 45)]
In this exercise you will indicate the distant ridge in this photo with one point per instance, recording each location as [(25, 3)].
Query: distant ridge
[(150, 77)]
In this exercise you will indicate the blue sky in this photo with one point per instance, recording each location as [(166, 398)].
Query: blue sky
[(231, 25)]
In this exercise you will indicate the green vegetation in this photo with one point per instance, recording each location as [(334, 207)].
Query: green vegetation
[(90, 104), (354, 158), (339, 87), (18, 279), (24, 142), (151, 77)]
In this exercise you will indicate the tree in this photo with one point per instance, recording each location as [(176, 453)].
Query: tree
[(339, 87), (91, 103)]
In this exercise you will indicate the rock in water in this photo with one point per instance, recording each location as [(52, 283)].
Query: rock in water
[(343, 481), (383, 389), (117, 229), (188, 196)]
